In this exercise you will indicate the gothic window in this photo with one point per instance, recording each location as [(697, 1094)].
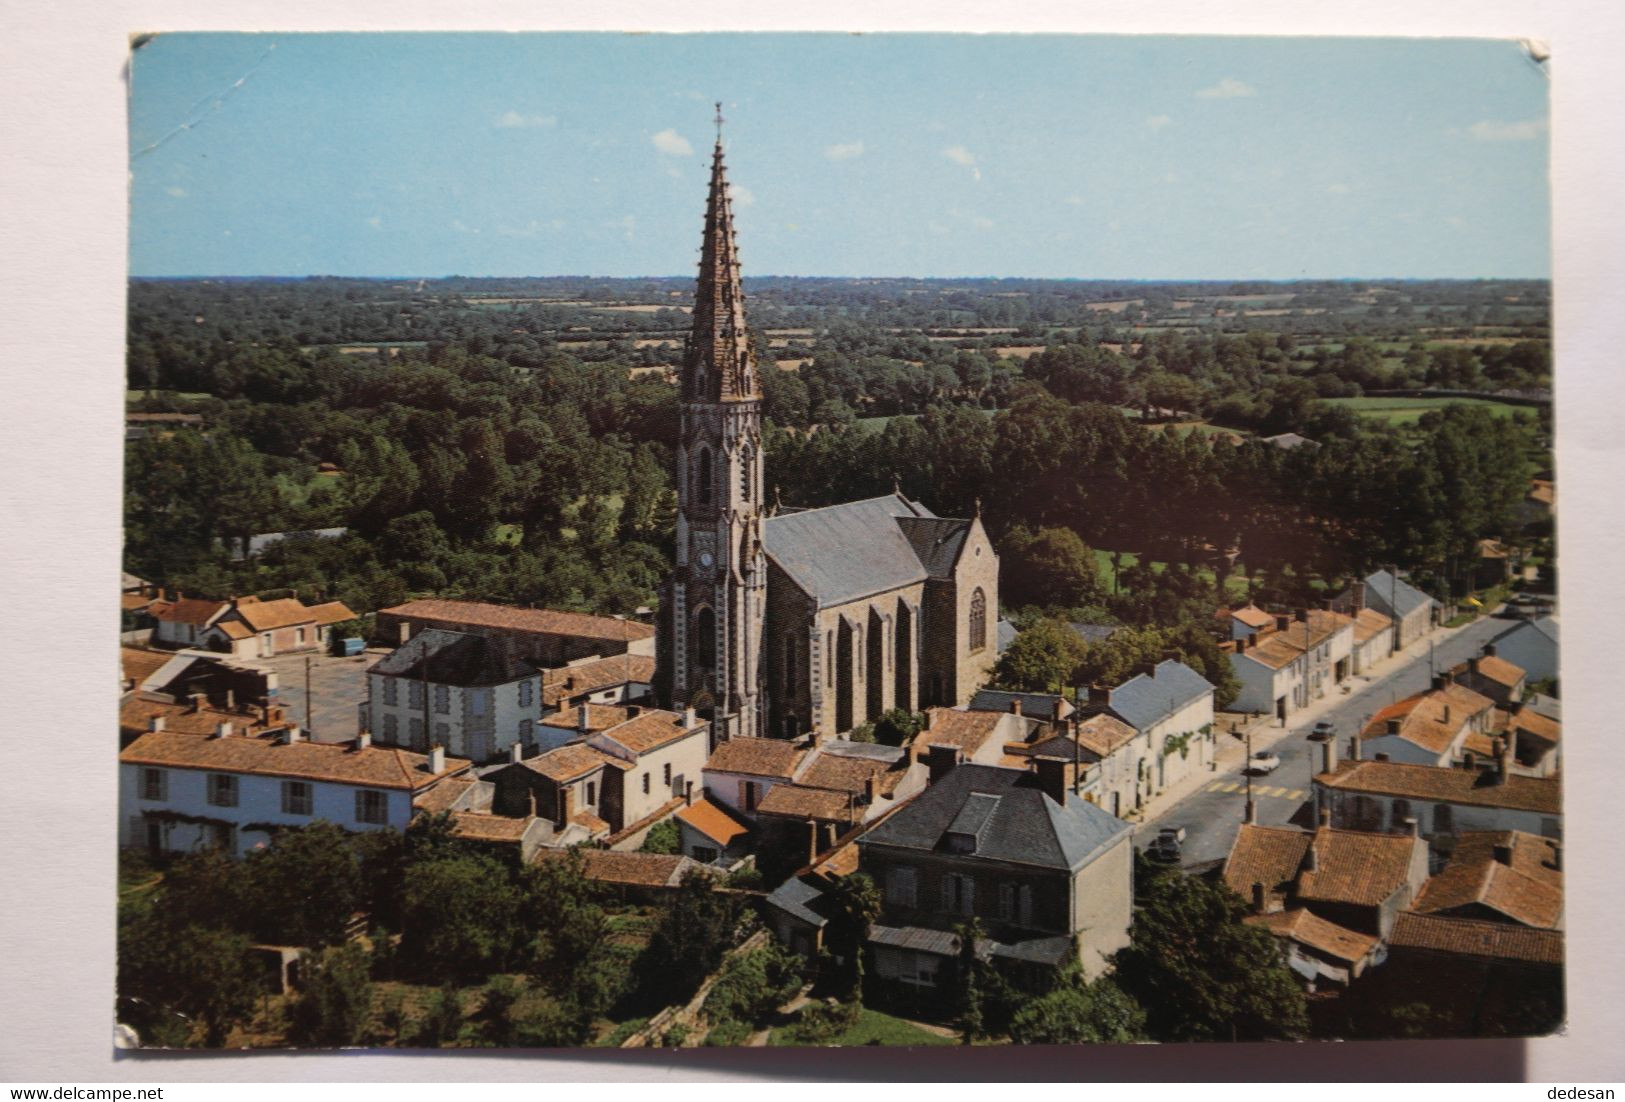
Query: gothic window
[(702, 652), (745, 455), (704, 477), (978, 621), (789, 664)]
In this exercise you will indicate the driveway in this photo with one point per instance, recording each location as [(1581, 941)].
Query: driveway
[(337, 687)]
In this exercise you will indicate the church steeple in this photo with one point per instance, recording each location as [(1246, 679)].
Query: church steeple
[(719, 365)]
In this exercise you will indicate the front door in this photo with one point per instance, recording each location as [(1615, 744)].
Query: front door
[(265, 645)]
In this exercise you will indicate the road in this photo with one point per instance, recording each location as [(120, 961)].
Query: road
[(1212, 814)]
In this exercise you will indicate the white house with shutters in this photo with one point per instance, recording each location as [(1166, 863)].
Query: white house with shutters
[(470, 694), (183, 791)]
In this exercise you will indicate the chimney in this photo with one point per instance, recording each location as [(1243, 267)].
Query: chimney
[(1015, 705), (1557, 856), (1441, 681), (1503, 760), (1282, 623), (812, 841), (231, 700), (1302, 615), (199, 701), (1258, 898), (871, 788), (940, 761), (1489, 650), (1354, 748), (1469, 760), (688, 793), (222, 729), (530, 807), (1472, 667), (156, 723), (1395, 724), (437, 759), (1325, 818), (1359, 596), (690, 718), (1100, 695), (290, 734), (633, 711), (1503, 853), (1328, 756), (1241, 643), (1381, 755), (1311, 860), (516, 752), (363, 741), (564, 806), (1052, 778)]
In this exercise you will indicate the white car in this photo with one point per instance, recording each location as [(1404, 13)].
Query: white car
[(1263, 762)]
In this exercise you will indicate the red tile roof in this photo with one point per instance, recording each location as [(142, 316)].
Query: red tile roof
[(287, 612), (138, 665), (569, 763), (714, 821), (650, 730), (1469, 937), (1357, 867), (646, 870), (1457, 786), (1253, 616), (1430, 720), (1314, 932), (1370, 623), (544, 621), (1527, 887), (600, 717), (268, 755), (792, 801), (188, 610), (756, 757), (968, 731), (479, 826), (591, 677), (1265, 855)]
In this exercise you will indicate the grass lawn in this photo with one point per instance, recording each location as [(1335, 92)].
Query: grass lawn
[(1407, 411), (872, 1027)]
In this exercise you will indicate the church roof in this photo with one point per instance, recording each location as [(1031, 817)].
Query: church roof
[(937, 541), (844, 552)]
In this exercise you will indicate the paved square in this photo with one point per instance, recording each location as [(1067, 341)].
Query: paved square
[(337, 687)]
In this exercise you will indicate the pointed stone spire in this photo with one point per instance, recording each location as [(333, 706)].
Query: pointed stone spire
[(718, 363)]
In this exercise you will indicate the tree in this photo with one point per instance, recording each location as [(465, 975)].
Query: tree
[(334, 1001), (1043, 657), (303, 889), (460, 916), (696, 930), (898, 726), (443, 1024), (1078, 1013), (968, 972), (202, 973), (1051, 568), (664, 837), (857, 906), (1200, 972)]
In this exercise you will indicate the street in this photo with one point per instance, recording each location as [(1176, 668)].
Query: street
[(337, 687), (1212, 814)]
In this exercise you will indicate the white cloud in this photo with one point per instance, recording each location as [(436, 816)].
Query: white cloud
[(1228, 88), (461, 227), (741, 194), (669, 141), (1338, 189), (981, 223), (1157, 122), (175, 192), (959, 155), (843, 151), (375, 222), (513, 119), (1493, 130)]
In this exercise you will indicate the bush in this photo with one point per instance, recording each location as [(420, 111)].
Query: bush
[(754, 985), (444, 1021), (664, 837), (727, 1034), (617, 1036), (333, 1007), (820, 1023), (675, 1036)]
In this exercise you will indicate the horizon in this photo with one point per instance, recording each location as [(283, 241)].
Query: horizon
[(1216, 159)]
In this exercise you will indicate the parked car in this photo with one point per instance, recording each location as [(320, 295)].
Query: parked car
[(1323, 730), (1263, 762), (1167, 845)]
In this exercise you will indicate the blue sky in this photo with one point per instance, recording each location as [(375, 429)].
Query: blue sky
[(881, 155)]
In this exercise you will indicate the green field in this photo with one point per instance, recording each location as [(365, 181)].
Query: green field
[(1407, 411), (872, 1027)]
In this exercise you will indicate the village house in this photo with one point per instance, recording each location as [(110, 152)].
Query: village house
[(741, 771), (1476, 978), (1050, 708), (1499, 876), (632, 877), (1381, 795), (1493, 676), (181, 621), (841, 785), (1103, 756), (1239, 623), (1414, 613), (545, 636), (1535, 738), (469, 693), (613, 786), (225, 681), (1532, 647), (1048, 874), (1332, 895), (1430, 728), (980, 737), (1373, 640), (712, 834), (1172, 709), (617, 679), (236, 786), (575, 723), (249, 627), (1296, 663)]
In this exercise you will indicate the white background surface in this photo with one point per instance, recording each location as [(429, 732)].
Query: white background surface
[(62, 258)]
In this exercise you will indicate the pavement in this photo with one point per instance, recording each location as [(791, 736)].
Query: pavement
[(337, 688), (1210, 806)]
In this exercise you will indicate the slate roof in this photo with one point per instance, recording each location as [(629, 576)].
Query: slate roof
[(1026, 827), (1094, 633), (937, 541), (798, 898), (1004, 633), (843, 552), (1475, 788), (1469, 937), (1147, 700), (1042, 706), (1545, 626), (1406, 598), (454, 658), (545, 621)]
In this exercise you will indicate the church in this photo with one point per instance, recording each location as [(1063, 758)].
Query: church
[(776, 622)]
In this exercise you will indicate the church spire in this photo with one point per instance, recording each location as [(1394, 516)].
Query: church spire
[(719, 364)]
